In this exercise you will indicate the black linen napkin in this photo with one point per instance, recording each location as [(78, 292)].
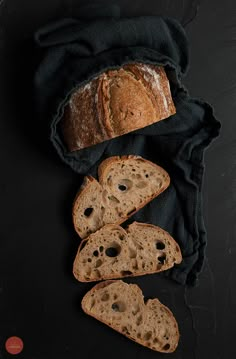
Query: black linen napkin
[(75, 50)]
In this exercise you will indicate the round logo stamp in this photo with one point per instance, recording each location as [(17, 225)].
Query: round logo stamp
[(14, 345)]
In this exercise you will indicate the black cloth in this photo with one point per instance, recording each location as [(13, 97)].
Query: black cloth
[(75, 50)]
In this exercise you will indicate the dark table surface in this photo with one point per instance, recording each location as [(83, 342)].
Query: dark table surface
[(39, 298)]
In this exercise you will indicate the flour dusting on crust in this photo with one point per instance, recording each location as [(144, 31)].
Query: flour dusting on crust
[(156, 83)]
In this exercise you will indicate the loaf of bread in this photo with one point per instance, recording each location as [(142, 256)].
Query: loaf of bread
[(113, 252), (116, 102), (125, 185), (121, 306)]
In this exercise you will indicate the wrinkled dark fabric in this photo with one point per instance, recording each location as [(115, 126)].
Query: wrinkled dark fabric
[(75, 50)]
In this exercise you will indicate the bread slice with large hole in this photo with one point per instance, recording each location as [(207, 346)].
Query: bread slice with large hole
[(125, 185), (113, 252), (121, 306)]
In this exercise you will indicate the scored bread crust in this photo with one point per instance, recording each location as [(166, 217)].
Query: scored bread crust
[(105, 284), (100, 186), (116, 102), (171, 247)]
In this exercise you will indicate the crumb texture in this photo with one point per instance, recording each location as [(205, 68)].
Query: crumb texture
[(125, 185), (121, 306), (112, 252)]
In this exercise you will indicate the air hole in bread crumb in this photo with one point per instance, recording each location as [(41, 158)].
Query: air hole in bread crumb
[(88, 211), (97, 273), (95, 253), (166, 346), (113, 250), (132, 253), (122, 187), (162, 258), (139, 335), (121, 237), (113, 199), (89, 260), (147, 335), (141, 184), (146, 175), (105, 297), (155, 340), (118, 306), (139, 320), (101, 248), (135, 310), (98, 263), (160, 245), (125, 330)]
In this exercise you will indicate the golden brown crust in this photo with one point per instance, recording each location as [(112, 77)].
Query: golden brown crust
[(129, 104), (154, 80), (80, 116), (117, 102), (109, 282)]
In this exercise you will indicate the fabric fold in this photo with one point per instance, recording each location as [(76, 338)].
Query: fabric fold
[(76, 50)]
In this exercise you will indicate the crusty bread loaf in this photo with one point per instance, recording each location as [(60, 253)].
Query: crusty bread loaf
[(113, 252), (116, 102), (125, 185), (121, 306)]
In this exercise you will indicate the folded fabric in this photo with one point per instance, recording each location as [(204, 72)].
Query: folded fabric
[(74, 51)]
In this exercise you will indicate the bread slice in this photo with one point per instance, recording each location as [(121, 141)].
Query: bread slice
[(112, 252), (125, 185), (121, 306)]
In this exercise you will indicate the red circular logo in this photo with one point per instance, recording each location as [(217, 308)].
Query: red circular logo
[(14, 345)]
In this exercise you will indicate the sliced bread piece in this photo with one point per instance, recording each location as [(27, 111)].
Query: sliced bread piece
[(125, 185), (121, 306), (112, 252)]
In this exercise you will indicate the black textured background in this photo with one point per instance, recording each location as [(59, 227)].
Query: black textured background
[(39, 298)]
